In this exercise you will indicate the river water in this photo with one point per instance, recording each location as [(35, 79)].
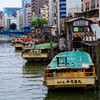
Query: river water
[(21, 80)]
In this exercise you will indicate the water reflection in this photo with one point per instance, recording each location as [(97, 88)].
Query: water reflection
[(68, 94), (34, 67), (24, 81), (18, 51), (33, 77)]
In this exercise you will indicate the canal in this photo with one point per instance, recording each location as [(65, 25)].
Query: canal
[(21, 80)]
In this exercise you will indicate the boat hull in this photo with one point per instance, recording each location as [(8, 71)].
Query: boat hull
[(81, 82), (35, 57)]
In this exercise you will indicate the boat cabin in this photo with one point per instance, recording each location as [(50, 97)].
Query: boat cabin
[(39, 52), (70, 69)]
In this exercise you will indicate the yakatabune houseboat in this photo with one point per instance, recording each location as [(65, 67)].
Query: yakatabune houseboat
[(20, 42), (39, 52), (70, 69)]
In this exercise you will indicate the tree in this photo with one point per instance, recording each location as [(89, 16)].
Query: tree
[(13, 26), (39, 22), (34, 23)]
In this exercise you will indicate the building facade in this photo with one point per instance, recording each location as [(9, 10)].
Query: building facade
[(62, 9), (19, 16), (24, 4), (37, 4), (1, 18), (44, 12), (34, 16), (28, 14), (73, 6), (90, 9), (8, 19), (11, 11)]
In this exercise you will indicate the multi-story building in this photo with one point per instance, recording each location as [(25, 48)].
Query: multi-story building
[(11, 10), (5, 18), (24, 3), (1, 16), (44, 12), (73, 7), (19, 16), (37, 4), (8, 19), (34, 16), (54, 13), (90, 9), (27, 20), (62, 9)]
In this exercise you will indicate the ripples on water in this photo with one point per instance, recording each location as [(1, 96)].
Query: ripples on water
[(20, 80)]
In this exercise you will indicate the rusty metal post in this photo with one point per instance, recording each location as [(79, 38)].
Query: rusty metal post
[(51, 46), (98, 64)]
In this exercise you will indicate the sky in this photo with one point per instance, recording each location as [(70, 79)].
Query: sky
[(10, 3)]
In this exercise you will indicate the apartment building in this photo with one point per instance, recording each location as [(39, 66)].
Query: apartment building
[(61, 9), (90, 9), (19, 16), (1, 17), (44, 11), (37, 4), (8, 19), (27, 14)]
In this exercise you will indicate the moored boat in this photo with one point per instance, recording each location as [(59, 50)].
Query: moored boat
[(70, 69), (39, 52), (18, 43)]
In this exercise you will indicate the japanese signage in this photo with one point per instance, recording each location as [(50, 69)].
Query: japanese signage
[(70, 82)]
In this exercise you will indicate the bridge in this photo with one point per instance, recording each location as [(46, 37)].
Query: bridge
[(13, 32)]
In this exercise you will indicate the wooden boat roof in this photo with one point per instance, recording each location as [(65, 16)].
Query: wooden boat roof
[(43, 46), (75, 59)]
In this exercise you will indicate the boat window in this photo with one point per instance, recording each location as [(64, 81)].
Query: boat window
[(32, 50), (76, 70), (28, 50), (44, 51), (61, 61)]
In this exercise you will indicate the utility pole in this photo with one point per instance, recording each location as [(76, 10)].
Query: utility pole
[(51, 46), (98, 63)]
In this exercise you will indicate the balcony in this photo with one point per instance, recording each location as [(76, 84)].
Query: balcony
[(62, 2), (63, 7), (62, 10)]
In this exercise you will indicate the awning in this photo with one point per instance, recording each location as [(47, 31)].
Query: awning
[(83, 35)]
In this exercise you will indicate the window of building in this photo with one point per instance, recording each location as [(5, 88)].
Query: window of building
[(78, 29), (92, 4), (97, 3), (82, 7), (80, 23)]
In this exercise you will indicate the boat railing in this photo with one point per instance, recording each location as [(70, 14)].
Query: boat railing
[(69, 74)]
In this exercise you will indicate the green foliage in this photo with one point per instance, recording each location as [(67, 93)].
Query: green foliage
[(13, 26), (34, 23), (39, 22)]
